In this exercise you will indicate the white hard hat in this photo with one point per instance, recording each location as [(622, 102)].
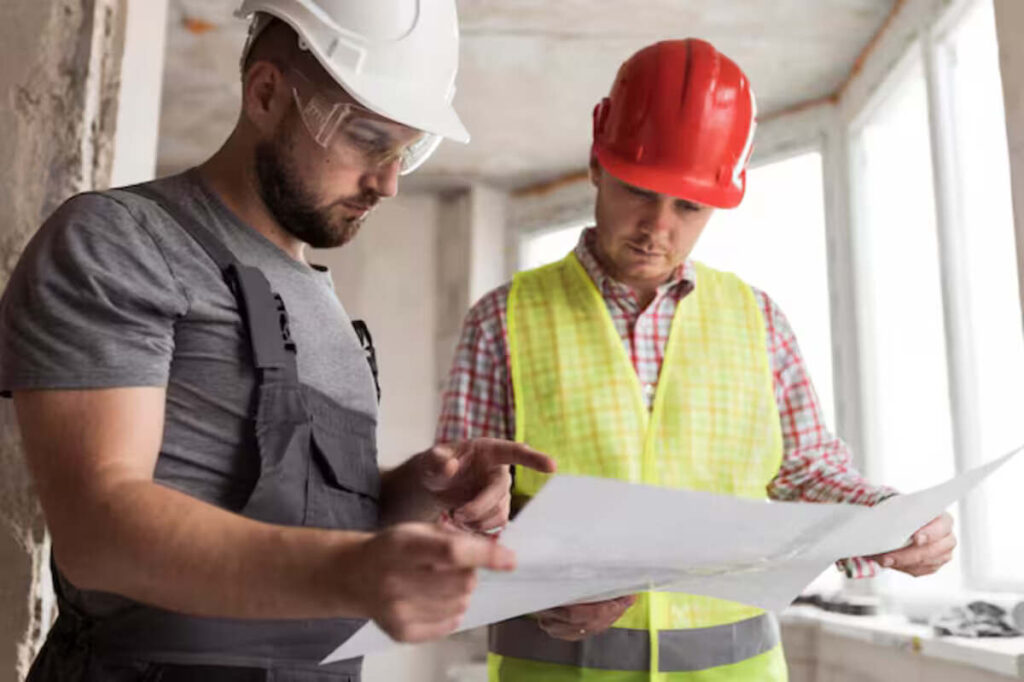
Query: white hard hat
[(397, 58)]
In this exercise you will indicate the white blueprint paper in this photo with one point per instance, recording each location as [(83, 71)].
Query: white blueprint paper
[(586, 539)]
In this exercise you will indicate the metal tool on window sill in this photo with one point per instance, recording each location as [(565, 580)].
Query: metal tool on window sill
[(977, 619), (847, 605)]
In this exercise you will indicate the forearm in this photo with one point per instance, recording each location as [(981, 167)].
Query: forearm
[(161, 547), (403, 496)]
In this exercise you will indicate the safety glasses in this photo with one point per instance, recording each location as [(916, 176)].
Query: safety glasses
[(355, 136)]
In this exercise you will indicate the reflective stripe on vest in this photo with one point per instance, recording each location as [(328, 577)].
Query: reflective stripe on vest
[(626, 649)]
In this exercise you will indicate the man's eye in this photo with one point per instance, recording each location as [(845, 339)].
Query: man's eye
[(366, 141)]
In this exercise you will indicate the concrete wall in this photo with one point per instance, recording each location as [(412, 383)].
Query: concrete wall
[(1010, 28), (59, 84)]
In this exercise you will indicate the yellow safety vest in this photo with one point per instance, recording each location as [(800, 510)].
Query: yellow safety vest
[(714, 426)]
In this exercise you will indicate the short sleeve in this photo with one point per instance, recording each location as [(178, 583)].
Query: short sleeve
[(92, 303)]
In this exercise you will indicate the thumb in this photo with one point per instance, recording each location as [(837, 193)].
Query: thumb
[(439, 466)]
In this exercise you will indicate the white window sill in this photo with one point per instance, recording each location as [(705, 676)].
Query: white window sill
[(1004, 656)]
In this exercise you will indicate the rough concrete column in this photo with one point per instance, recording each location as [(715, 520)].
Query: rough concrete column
[(1010, 27), (59, 82)]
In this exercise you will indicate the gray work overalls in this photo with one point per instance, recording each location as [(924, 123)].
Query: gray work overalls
[(318, 468)]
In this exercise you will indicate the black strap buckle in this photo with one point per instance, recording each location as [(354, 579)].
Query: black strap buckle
[(366, 341)]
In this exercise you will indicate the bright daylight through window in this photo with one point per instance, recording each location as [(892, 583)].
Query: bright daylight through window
[(905, 321), (986, 221)]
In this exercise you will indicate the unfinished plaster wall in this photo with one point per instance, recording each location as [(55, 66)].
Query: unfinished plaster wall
[(59, 81), (1010, 27)]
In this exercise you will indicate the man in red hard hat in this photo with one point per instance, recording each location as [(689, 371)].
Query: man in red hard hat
[(628, 360)]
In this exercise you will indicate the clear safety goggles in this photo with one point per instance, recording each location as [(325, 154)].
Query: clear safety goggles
[(354, 135)]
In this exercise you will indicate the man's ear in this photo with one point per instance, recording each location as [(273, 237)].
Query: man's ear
[(595, 168), (264, 96)]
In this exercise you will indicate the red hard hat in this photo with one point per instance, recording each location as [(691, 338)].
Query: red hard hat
[(680, 121)]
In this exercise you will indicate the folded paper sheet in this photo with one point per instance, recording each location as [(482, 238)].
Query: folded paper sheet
[(586, 539)]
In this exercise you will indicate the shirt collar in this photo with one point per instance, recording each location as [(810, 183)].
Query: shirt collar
[(682, 281)]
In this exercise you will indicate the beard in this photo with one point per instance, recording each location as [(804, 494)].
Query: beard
[(294, 205)]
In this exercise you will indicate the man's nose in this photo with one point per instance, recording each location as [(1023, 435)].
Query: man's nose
[(660, 215), (383, 180)]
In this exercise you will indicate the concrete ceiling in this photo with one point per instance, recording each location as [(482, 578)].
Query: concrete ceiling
[(531, 71)]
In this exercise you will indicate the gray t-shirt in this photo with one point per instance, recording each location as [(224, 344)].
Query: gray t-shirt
[(111, 293)]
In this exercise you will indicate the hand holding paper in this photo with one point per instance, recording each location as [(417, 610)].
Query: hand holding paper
[(590, 539), (931, 548)]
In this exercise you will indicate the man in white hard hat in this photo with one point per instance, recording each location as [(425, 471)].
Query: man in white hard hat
[(198, 410)]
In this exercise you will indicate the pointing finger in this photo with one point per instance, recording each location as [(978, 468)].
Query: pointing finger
[(505, 452)]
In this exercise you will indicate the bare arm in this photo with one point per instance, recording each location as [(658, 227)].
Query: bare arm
[(92, 454)]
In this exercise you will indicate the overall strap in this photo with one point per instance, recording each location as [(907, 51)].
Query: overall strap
[(262, 310)]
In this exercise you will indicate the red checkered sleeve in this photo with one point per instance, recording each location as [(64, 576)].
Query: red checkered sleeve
[(477, 402), (817, 466)]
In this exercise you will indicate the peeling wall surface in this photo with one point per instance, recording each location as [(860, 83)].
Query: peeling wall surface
[(59, 90)]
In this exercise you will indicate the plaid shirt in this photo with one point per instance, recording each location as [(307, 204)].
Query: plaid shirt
[(816, 466)]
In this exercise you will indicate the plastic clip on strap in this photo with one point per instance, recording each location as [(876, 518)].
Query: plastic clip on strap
[(366, 341), (272, 347)]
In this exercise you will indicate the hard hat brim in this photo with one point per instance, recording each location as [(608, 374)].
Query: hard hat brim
[(674, 184), (420, 111)]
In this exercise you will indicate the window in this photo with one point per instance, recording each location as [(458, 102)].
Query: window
[(899, 294), (939, 317), (908, 427), (984, 222)]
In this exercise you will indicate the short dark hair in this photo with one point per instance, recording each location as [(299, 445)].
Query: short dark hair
[(275, 41)]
